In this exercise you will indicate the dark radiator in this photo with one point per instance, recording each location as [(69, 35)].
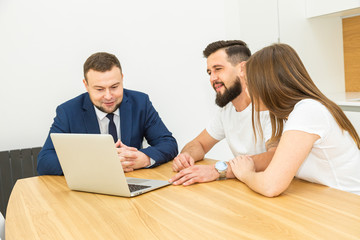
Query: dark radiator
[(15, 164)]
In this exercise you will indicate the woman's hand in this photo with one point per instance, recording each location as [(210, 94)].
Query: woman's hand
[(242, 165)]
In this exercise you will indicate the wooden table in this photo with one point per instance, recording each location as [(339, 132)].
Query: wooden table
[(44, 208)]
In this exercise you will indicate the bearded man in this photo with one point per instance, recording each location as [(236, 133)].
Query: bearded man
[(226, 67)]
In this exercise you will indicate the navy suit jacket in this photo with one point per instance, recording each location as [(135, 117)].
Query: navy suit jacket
[(138, 119)]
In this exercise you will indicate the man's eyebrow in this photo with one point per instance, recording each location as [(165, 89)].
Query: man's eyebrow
[(217, 65)]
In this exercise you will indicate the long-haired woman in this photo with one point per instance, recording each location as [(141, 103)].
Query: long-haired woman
[(317, 141)]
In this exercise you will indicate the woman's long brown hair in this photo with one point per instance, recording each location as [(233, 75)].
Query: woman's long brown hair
[(277, 78)]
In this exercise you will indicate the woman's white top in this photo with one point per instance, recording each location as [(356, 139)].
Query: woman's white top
[(334, 159)]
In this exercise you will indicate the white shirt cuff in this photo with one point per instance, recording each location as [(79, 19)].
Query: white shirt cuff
[(152, 162)]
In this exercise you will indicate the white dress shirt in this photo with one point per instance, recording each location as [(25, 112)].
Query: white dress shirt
[(104, 121), (104, 125)]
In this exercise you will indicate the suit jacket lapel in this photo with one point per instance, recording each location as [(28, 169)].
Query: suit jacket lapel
[(90, 119), (125, 120)]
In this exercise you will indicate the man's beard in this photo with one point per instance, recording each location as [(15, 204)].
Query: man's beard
[(104, 110), (230, 93)]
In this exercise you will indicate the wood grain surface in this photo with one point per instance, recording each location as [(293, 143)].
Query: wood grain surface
[(45, 208), (351, 38)]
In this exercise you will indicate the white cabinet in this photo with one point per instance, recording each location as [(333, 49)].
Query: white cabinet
[(315, 8), (349, 102), (354, 117)]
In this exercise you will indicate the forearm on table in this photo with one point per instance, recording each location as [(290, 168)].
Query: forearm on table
[(263, 160), (229, 173), (195, 150), (265, 184), (255, 181)]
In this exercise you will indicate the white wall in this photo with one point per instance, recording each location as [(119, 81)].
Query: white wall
[(44, 44), (318, 42), (259, 23)]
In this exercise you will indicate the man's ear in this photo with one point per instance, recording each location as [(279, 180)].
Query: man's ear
[(243, 69), (86, 85)]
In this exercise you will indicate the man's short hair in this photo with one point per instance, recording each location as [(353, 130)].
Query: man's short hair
[(101, 62), (236, 50)]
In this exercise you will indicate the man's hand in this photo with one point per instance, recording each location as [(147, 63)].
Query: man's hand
[(194, 174), (131, 158), (182, 161), (241, 165)]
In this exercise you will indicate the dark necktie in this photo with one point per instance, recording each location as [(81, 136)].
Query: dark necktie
[(112, 127)]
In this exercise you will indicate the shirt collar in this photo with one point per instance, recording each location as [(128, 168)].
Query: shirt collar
[(101, 115)]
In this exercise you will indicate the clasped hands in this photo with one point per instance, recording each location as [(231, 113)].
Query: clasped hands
[(188, 173), (131, 158)]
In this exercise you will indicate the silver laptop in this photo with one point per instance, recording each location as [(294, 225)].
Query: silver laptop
[(90, 163)]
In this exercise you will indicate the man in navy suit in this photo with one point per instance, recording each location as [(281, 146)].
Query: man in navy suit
[(132, 117)]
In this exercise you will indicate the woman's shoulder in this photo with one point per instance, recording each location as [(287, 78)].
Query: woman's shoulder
[(309, 116), (309, 105), (309, 102), (310, 111)]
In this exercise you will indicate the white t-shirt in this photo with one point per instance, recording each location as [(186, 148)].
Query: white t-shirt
[(236, 127), (334, 159)]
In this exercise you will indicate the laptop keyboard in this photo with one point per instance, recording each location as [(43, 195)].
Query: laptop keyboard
[(136, 187)]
